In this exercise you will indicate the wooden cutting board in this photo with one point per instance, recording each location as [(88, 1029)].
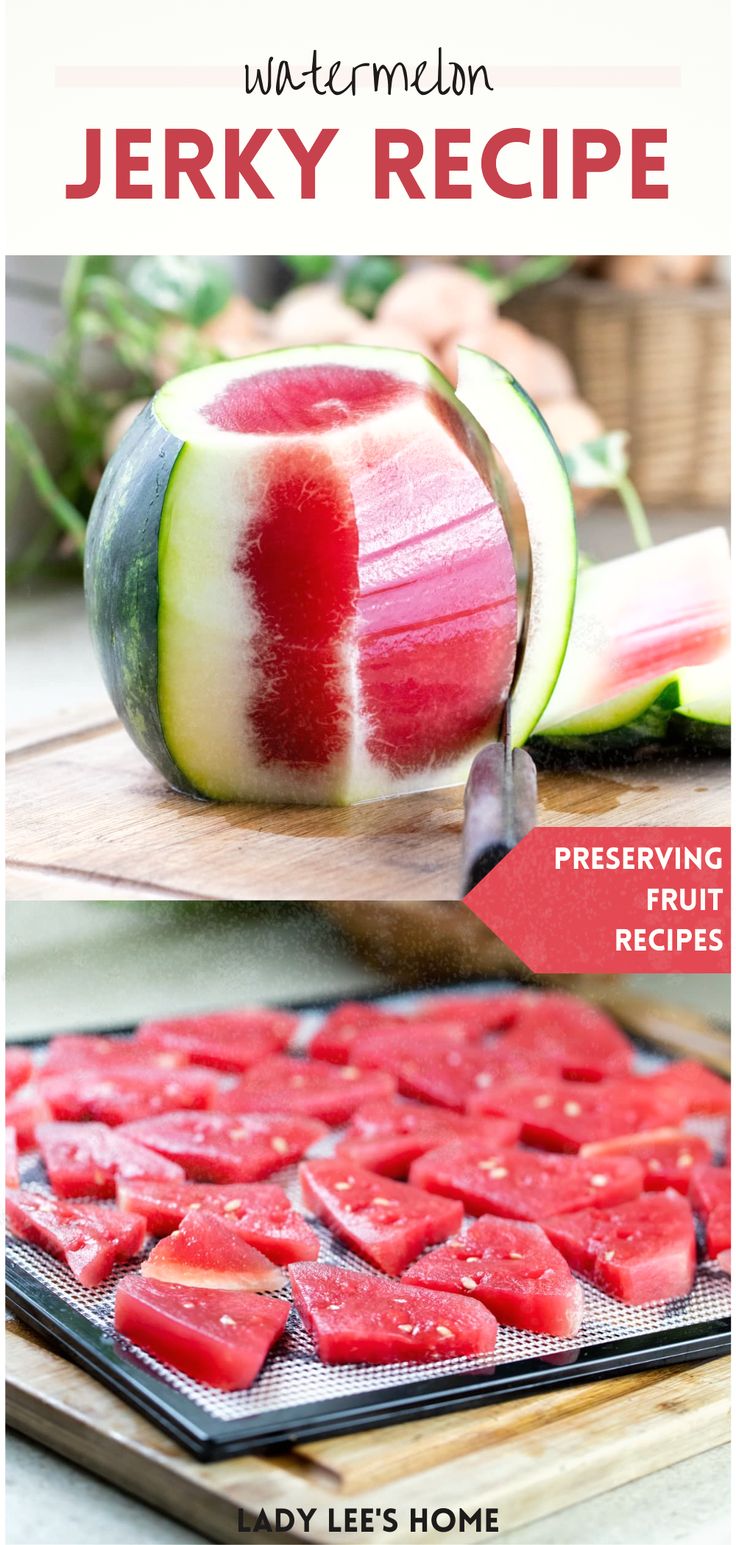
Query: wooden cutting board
[(527, 1458), (88, 817)]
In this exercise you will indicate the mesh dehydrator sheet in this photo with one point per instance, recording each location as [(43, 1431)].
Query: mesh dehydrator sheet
[(293, 1376)]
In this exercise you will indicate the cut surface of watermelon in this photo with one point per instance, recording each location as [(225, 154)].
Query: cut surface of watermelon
[(91, 1240), (231, 1041), (667, 1156), (260, 1211), (213, 1145), (340, 1028), (718, 1231), (218, 1338), (384, 1221), (118, 1095), (513, 1269), (18, 1068), (24, 1111), (640, 1252), (104, 1053), (386, 1136), (516, 1183), (704, 1092), (207, 1251), (11, 1157), (354, 1318), (564, 1116), (88, 1159), (303, 1088), (577, 1039), (710, 1186), (480, 1013)]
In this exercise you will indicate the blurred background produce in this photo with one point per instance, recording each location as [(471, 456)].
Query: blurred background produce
[(628, 358)]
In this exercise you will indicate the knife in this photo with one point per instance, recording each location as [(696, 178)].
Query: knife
[(500, 805)]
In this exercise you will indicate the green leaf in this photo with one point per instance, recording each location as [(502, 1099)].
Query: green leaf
[(368, 279), (308, 268), (599, 463), (192, 288)]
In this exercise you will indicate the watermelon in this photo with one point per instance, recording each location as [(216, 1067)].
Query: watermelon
[(383, 1221), (92, 1240), (387, 1135), (438, 1066), (640, 1252), (577, 1039), (120, 1095), (18, 1068), (261, 1212), (479, 1013), (638, 622), (230, 1042), (667, 1156), (563, 1116), (718, 1232), (340, 1028), (24, 1111), (709, 1187), (11, 1157), (218, 1338), (511, 1268), (304, 1088), (87, 1159), (515, 1183), (104, 1054), (704, 1093), (213, 1145), (206, 1251), (356, 1318), (703, 715)]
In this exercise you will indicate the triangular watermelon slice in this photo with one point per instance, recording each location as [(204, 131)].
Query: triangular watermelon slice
[(718, 1232), (218, 1338), (206, 1251), (24, 1111), (579, 1040), (357, 1318), (303, 1088), (383, 1221), (11, 1157), (117, 1095), (90, 1239), (704, 1092), (519, 1183), (87, 1159), (479, 1013), (340, 1028), (710, 1186), (261, 1212), (230, 1042), (667, 1156), (640, 1252), (105, 1053), (564, 1116), (212, 1145), (438, 1066), (18, 1068), (511, 1268), (386, 1136)]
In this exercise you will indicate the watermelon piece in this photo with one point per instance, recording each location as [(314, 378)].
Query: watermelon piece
[(303, 1088), (105, 1054), (704, 1093), (324, 602), (24, 1111), (218, 1338), (577, 1039), (386, 1136), (334, 1040), (87, 1159), (718, 1231), (261, 1212), (383, 1221), (515, 1183), (230, 1042), (723, 1261), (511, 1268), (709, 1187), (356, 1318), (438, 1066), (206, 1251), (117, 1096), (213, 1145), (564, 1116), (667, 1156), (18, 1068), (479, 1013), (640, 1252), (92, 1240), (11, 1157)]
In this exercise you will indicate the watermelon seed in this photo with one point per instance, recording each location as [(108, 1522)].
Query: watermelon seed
[(599, 1180), (195, 1207), (297, 1080), (608, 1255), (226, 1320), (483, 1080), (654, 1164), (543, 1100), (442, 1330), (571, 1108), (381, 1201), (515, 1255), (334, 1306), (343, 1185), (684, 1160), (406, 1327), (350, 1073), (280, 1144), (469, 1283), (239, 1133), (229, 1206)]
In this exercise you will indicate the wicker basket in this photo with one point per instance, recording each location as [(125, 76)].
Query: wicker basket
[(656, 363)]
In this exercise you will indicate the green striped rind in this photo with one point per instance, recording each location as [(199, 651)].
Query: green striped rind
[(618, 730), (121, 581)]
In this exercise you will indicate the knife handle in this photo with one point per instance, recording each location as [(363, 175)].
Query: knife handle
[(500, 808)]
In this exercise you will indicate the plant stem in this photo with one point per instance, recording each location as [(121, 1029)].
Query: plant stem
[(533, 270), (640, 528), (24, 447)]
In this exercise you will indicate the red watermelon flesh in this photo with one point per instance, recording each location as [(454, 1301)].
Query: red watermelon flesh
[(206, 1251), (383, 1221), (356, 1318), (564, 1116), (105, 1054), (90, 1239), (519, 1183), (261, 1212), (640, 1252), (511, 1268), (704, 1093), (230, 1042), (304, 1088), (87, 1159), (667, 1156), (580, 1040), (334, 1040), (218, 1338), (709, 1187), (18, 1068), (479, 1013), (11, 1157), (718, 1231), (117, 1095), (216, 1146), (24, 1111), (387, 1135), (438, 1067)]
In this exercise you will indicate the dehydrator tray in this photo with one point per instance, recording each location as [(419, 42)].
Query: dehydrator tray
[(297, 1397)]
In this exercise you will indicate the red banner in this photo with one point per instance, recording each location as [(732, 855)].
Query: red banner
[(613, 899)]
